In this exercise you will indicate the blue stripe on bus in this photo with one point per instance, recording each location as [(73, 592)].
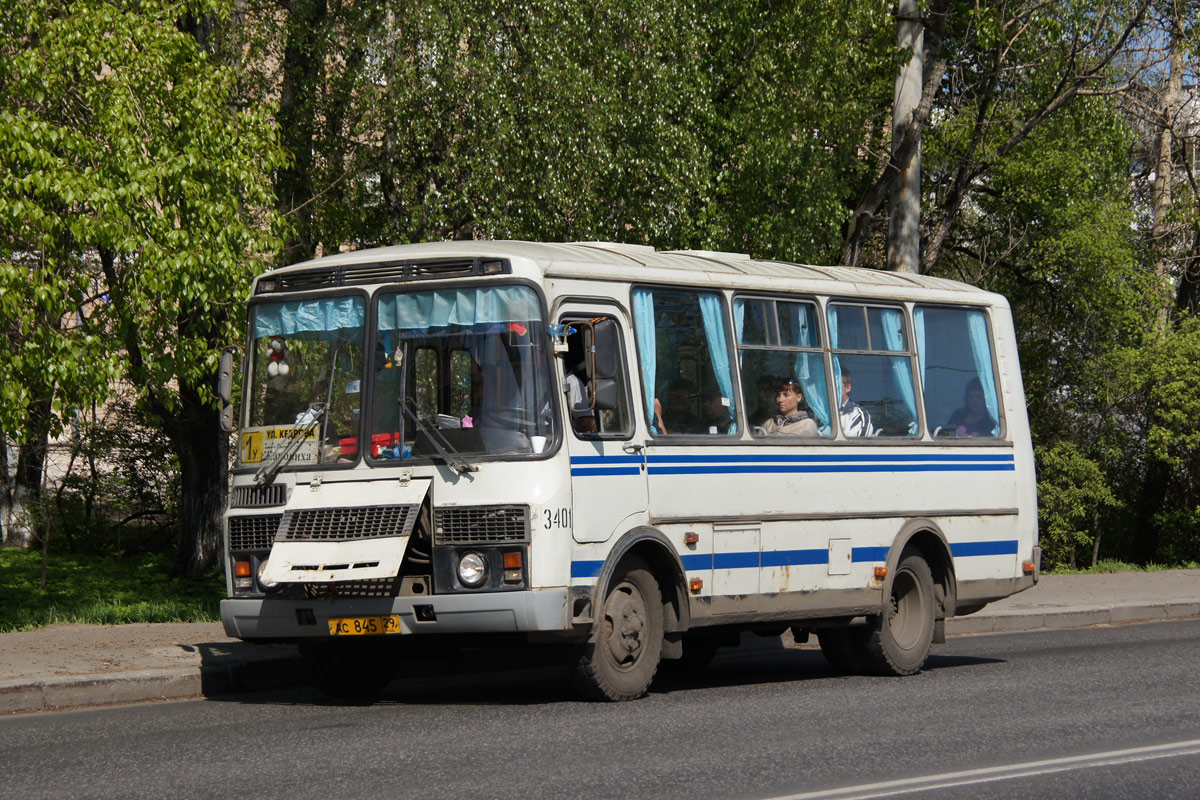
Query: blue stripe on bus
[(751, 464), (700, 562), (762, 469), (584, 472), (859, 554), (588, 460), (791, 558), (1003, 547), (826, 458), (736, 560), (586, 569)]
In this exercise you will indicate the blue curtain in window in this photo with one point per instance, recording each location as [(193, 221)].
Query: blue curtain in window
[(643, 325), (810, 368), (919, 333), (893, 334), (981, 351), (833, 342), (463, 307), (714, 332), (308, 316)]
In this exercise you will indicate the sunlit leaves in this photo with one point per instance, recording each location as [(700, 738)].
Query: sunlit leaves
[(119, 139)]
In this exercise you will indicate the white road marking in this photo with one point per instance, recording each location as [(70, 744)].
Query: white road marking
[(1027, 769)]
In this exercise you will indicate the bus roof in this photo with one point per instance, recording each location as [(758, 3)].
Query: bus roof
[(610, 261)]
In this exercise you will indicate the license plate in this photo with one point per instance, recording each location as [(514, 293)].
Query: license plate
[(364, 626)]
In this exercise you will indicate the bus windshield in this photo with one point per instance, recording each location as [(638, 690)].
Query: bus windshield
[(464, 371), (306, 367)]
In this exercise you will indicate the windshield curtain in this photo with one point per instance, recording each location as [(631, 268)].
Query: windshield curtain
[(470, 366), (306, 368)]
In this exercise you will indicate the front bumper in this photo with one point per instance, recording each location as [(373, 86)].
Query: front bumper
[(491, 612)]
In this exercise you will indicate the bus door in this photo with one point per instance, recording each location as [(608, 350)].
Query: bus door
[(608, 476)]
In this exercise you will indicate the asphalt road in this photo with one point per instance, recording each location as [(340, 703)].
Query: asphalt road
[(1097, 713)]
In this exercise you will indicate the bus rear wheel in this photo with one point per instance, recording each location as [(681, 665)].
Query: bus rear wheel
[(898, 641), (620, 658)]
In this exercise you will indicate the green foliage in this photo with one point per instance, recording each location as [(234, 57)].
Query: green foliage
[(798, 96), (1107, 566), (120, 494), (100, 590), (678, 124), (1073, 494), (130, 197), (1159, 411)]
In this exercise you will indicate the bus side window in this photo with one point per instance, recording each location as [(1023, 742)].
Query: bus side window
[(956, 371), (683, 346), (872, 344), (779, 346)]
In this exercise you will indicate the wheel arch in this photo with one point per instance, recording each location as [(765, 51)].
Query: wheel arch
[(653, 547), (927, 537)]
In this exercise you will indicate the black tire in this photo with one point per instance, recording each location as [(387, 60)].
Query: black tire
[(841, 648), (355, 670), (897, 643), (620, 658)]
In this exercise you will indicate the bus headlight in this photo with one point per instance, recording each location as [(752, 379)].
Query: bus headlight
[(262, 581), (472, 570)]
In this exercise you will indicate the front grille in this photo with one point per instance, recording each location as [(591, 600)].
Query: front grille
[(252, 533), (378, 587), (258, 496), (345, 524), (391, 272), (481, 525)]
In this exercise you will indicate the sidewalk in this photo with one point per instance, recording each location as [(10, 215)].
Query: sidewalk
[(81, 665)]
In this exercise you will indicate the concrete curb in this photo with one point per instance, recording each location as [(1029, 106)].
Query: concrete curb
[(234, 676), (169, 683), (1034, 619)]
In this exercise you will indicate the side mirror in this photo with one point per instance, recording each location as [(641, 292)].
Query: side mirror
[(225, 388), (605, 350), (607, 394)]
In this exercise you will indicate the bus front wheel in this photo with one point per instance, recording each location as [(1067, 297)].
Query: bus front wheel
[(355, 670), (620, 658), (897, 643)]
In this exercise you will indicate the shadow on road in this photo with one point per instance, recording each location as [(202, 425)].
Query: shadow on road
[(529, 678)]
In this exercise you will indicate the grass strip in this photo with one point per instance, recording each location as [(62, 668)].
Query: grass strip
[(100, 590)]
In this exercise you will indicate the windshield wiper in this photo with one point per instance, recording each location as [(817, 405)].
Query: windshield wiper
[(456, 463), (314, 415)]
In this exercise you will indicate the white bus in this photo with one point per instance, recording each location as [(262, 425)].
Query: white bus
[(636, 455)]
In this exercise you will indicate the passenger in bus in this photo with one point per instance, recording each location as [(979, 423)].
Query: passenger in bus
[(854, 418), (973, 418), (583, 420), (791, 419), (766, 400), (718, 416), (678, 416)]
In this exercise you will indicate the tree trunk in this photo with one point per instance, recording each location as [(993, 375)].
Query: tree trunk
[(902, 152), (904, 228), (1161, 192), (5, 488), (203, 451), (302, 68), (27, 488), (1152, 498)]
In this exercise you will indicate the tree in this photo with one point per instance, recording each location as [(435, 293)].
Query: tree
[(148, 183), (993, 74)]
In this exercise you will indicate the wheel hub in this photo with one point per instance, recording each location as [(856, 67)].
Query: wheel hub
[(625, 620)]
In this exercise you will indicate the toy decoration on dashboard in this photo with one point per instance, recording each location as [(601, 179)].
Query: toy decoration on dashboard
[(277, 351)]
